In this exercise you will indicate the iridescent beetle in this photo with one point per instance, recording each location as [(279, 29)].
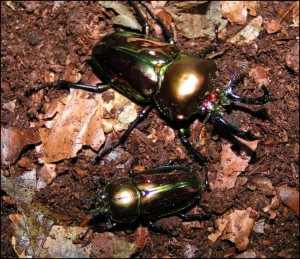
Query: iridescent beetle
[(157, 74), (149, 195)]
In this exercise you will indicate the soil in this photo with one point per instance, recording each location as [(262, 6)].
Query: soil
[(36, 41)]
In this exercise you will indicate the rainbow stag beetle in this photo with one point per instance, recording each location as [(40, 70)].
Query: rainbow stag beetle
[(156, 73), (150, 195)]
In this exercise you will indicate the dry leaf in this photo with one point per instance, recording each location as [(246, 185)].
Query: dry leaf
[(295, 14), (249, 33), (260, 75), (273, 26), (45, 176), (66, 235), (289, 196), (197, 18), (234, 11), (271, 209), (108, 245), (232, 164), (81, 122), (14, 140), (239, 226), (141, 236)]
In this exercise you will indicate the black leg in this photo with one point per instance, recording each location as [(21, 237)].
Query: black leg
[(199, 217), (141, 18), (265, 98), (184, 137), (144, 113), (166, 33), (247, 135), (101, 87), (158, 229)]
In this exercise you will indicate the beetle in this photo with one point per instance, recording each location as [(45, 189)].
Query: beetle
[(150, 194), (157, 74)]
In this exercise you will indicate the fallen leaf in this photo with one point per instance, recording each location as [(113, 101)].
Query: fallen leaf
[(66, 235), (83, 121), (234, 11), (272, 208), (22, 188), (239, 226), (260, 75), (10, 106), (263, 185), (14, 140), (289, 196), (232, 164), (45, 176), (295, 14), (30, 230), (141, 236), (125, 18), (273, 26), (197, 18), (249, 33), (108, 245)]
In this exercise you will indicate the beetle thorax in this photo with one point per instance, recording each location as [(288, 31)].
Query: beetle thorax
[(183, 86), (123, 200)]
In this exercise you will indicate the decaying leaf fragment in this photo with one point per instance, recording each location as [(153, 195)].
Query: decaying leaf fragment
[(289, 196), (249, 33), (197, 18), (108, 245), (233, 164), (125, 18), (14, 140), (66, 235), (236, 227), (83, 121), (237, 11)]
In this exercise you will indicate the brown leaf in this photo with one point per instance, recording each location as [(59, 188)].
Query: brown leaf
[(14, 140), (289, 196), (232, 164), (141, 236), (108, 245), (273, 26), (260, 75), (81, 122), (239, 226)]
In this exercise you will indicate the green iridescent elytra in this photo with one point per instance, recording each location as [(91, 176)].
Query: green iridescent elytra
[(149, 194)]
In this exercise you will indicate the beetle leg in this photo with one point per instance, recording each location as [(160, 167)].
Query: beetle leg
[(184, 137), (265, 98), (186, 217), (101, 87), (143, 114), (166, 32), (247, 135), (158, 229), (141, 17)]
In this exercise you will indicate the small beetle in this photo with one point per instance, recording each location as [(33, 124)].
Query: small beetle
[(151, 194), (156, 73)]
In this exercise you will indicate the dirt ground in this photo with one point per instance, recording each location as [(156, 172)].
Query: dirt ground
[(38, 38)]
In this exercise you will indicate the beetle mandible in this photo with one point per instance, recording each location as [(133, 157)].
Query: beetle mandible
[(157, 74), (150, 195)]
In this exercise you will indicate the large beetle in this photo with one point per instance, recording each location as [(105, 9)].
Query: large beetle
[(150, 194), (157, 74)]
